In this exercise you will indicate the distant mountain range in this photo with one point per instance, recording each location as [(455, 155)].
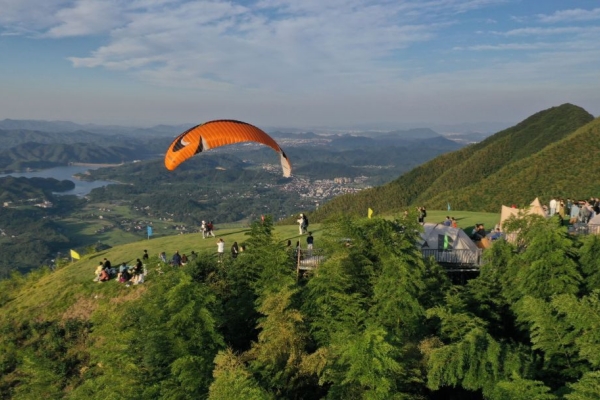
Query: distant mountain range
[(43, 155), (61, 127), (71, 127), (555, 152), (42, 144)]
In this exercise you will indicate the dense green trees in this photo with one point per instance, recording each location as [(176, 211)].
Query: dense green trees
[(375, 321)]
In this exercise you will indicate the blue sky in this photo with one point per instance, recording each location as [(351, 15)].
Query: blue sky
[(297, 63)]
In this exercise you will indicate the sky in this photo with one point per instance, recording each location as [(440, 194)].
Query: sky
[(297, 63)]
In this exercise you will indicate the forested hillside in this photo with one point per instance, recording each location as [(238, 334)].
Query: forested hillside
[(37, 189), (27, 239), (565, 168), (377, 321), (15, 137), (41, 155), (445, 178)]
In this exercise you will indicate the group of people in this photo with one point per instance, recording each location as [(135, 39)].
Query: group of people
[(235, 250), (450, 221), (310, 240), (207, 229), (124, 274), (135, 274), (478, 233), (578, 211), (178, 260)]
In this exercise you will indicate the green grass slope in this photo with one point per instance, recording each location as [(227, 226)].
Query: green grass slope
[(450, 173), (70, 290)]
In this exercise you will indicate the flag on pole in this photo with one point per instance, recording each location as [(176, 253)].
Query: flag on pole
[(370, 212), (448, 206), (75, 255), (149, 231)]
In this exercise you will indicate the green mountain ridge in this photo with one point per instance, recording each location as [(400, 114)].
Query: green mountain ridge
[(443, 179), (578, 154)]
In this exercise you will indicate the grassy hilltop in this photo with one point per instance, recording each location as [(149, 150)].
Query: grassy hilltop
[(72, 283), (541, 156)]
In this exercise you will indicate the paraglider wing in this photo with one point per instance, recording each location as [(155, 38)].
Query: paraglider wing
[(219, 133)]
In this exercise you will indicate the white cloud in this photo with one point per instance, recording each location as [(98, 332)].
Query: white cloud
[(509, 46), (277, 45), (302, 59), (29, 17), (576, 14), (87, 17), (538, 31)]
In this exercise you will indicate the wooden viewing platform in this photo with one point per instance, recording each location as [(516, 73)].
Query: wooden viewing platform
[(452, 260)]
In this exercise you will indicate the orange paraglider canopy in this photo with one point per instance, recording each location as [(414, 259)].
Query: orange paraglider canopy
[(219, 133)]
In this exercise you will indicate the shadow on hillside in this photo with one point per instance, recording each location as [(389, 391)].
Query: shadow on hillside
[(231, 233)]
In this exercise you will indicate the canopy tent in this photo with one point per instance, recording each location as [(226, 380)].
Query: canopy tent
[(594, 225), (595, 220), (535, 208), (449, 245), (508, 212)]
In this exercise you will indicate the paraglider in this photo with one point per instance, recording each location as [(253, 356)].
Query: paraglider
[(219, 133)]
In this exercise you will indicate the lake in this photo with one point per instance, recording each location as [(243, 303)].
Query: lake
[(61, 173)]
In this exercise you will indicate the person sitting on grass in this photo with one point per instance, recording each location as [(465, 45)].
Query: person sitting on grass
[(98, 272), (137, 275), (496, 235), (104, 276), (123, 275)]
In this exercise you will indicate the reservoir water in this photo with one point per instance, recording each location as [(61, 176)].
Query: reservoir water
[(61, 173)]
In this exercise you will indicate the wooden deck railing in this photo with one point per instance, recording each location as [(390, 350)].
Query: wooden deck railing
[(455, 257)]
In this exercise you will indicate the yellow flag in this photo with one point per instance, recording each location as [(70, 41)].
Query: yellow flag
[(75, 255), (370, 212)]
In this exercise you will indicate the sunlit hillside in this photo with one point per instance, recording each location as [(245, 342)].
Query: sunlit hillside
[(506, 168)]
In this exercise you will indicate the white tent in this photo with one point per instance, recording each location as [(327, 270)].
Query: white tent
[(449, 245), (508, 212), (595, 220), (535, 208), (594, 225)]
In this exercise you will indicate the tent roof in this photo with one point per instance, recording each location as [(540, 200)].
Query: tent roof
[(508, 212), (460, 240), (595, 220), (535, 208)]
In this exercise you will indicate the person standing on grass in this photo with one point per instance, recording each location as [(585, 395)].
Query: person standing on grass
[(234, 250), (209, 229), (300, 222), (220, 249), (203, 228)]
